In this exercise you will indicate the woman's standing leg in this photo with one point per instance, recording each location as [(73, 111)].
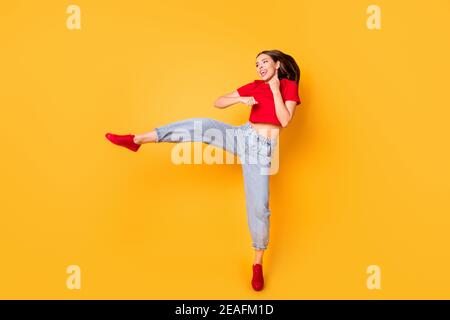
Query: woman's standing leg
[(258, 216), (256, 187), (256, 163)]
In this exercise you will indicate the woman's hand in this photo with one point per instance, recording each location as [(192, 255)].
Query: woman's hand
[(274, 82), (250, 101)]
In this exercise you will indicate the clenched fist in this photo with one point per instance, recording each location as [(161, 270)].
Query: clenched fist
[(250, 101)]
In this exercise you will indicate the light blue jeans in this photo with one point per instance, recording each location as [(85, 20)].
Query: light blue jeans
[(255, 154)]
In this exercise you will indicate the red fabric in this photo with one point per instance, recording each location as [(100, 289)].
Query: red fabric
[(264, 110), (126, 141), (258, 279)]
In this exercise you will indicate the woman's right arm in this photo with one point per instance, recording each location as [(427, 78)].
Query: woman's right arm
[(231, 99)]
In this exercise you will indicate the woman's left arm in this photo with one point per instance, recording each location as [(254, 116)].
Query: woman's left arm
[(283, 110)]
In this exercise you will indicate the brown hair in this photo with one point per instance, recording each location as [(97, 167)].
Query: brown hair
[(288, 67)]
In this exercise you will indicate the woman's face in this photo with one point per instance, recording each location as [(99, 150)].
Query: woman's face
[(266, 67)]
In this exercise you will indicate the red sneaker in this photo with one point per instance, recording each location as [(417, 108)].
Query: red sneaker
[(258, 279), (123, 140)]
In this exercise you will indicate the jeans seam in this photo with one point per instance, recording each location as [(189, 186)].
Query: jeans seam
[(157, 135)]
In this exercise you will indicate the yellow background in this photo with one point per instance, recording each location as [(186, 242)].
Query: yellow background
[(364, 165)]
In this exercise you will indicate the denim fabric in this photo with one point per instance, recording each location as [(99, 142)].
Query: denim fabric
[(254, 152)]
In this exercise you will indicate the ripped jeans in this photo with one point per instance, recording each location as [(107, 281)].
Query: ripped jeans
[(255, 155)]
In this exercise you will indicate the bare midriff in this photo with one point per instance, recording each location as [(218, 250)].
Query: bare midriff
[(267, 130)]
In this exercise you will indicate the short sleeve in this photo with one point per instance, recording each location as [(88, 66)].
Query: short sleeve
[(246, 89), (291, 92)]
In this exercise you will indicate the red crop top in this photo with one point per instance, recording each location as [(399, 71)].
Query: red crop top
[(264, 110)]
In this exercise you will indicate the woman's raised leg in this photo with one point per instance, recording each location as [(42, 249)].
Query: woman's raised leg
[(145, 137), (206, 130)]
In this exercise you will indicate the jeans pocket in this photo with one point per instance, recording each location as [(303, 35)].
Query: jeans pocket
[(265, 149)]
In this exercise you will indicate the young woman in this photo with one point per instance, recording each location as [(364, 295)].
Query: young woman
[(273, 99)]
